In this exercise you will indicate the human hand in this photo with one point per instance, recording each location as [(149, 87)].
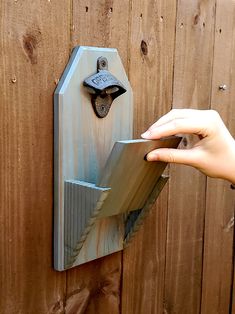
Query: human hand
[(213, 153)]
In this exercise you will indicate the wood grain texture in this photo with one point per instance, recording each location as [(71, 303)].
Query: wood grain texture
[(129, 176), (219, 220), (83, 202), (102, 23), (151, 42), (95, 24), (35, 40), (34, 43), (83, 141), (218, 248), (97, 287), (192, 89), (127, 183), (151, 50), (144, 261), (136, 218), (232, 301)]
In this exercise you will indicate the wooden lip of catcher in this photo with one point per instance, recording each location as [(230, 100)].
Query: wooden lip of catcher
[(103, 186)]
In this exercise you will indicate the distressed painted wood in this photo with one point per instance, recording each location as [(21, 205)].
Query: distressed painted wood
[(34, 44), (83, 201), (129, 176), (128, 183), (218, 255), (187, 191), (83, 141), (151, 51)]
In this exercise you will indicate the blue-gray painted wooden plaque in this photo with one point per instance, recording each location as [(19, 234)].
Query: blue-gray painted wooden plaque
[(82, 144)]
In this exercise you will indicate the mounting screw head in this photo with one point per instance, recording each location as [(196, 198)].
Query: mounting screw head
[(223, 87)]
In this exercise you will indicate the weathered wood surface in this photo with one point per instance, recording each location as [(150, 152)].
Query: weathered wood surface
[(232, 301), (129, 176), (187, 191), (36, 38), (83, 143), (32, 57), (126, 183), (151, 48), (135, 219), (103, 24), (83, 202), (218, 263)]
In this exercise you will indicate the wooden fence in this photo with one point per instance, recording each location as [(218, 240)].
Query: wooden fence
[(176, 53)]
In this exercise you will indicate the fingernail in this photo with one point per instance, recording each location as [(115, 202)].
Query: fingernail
[(152, 156), (146, 134)]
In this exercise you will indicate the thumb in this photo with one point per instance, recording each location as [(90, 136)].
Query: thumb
[(180, 156)]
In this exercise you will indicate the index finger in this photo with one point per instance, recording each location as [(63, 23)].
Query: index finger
[(174, 114), (176, 126)]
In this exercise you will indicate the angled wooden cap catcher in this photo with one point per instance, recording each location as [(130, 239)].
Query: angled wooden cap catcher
[(103, 186)]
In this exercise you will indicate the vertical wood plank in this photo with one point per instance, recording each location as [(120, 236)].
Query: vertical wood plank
[(152, 34), (232, 301), (144, 263), (34, 44), (95, 287), (219, 221), (102, 23), (150, 71), (192, 89), (218, 248)]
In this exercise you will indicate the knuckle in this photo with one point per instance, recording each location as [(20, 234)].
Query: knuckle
[(176, 124), (214, 114), (215, 121)]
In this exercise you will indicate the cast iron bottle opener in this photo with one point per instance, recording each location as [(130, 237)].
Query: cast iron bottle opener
[(103, 87)]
